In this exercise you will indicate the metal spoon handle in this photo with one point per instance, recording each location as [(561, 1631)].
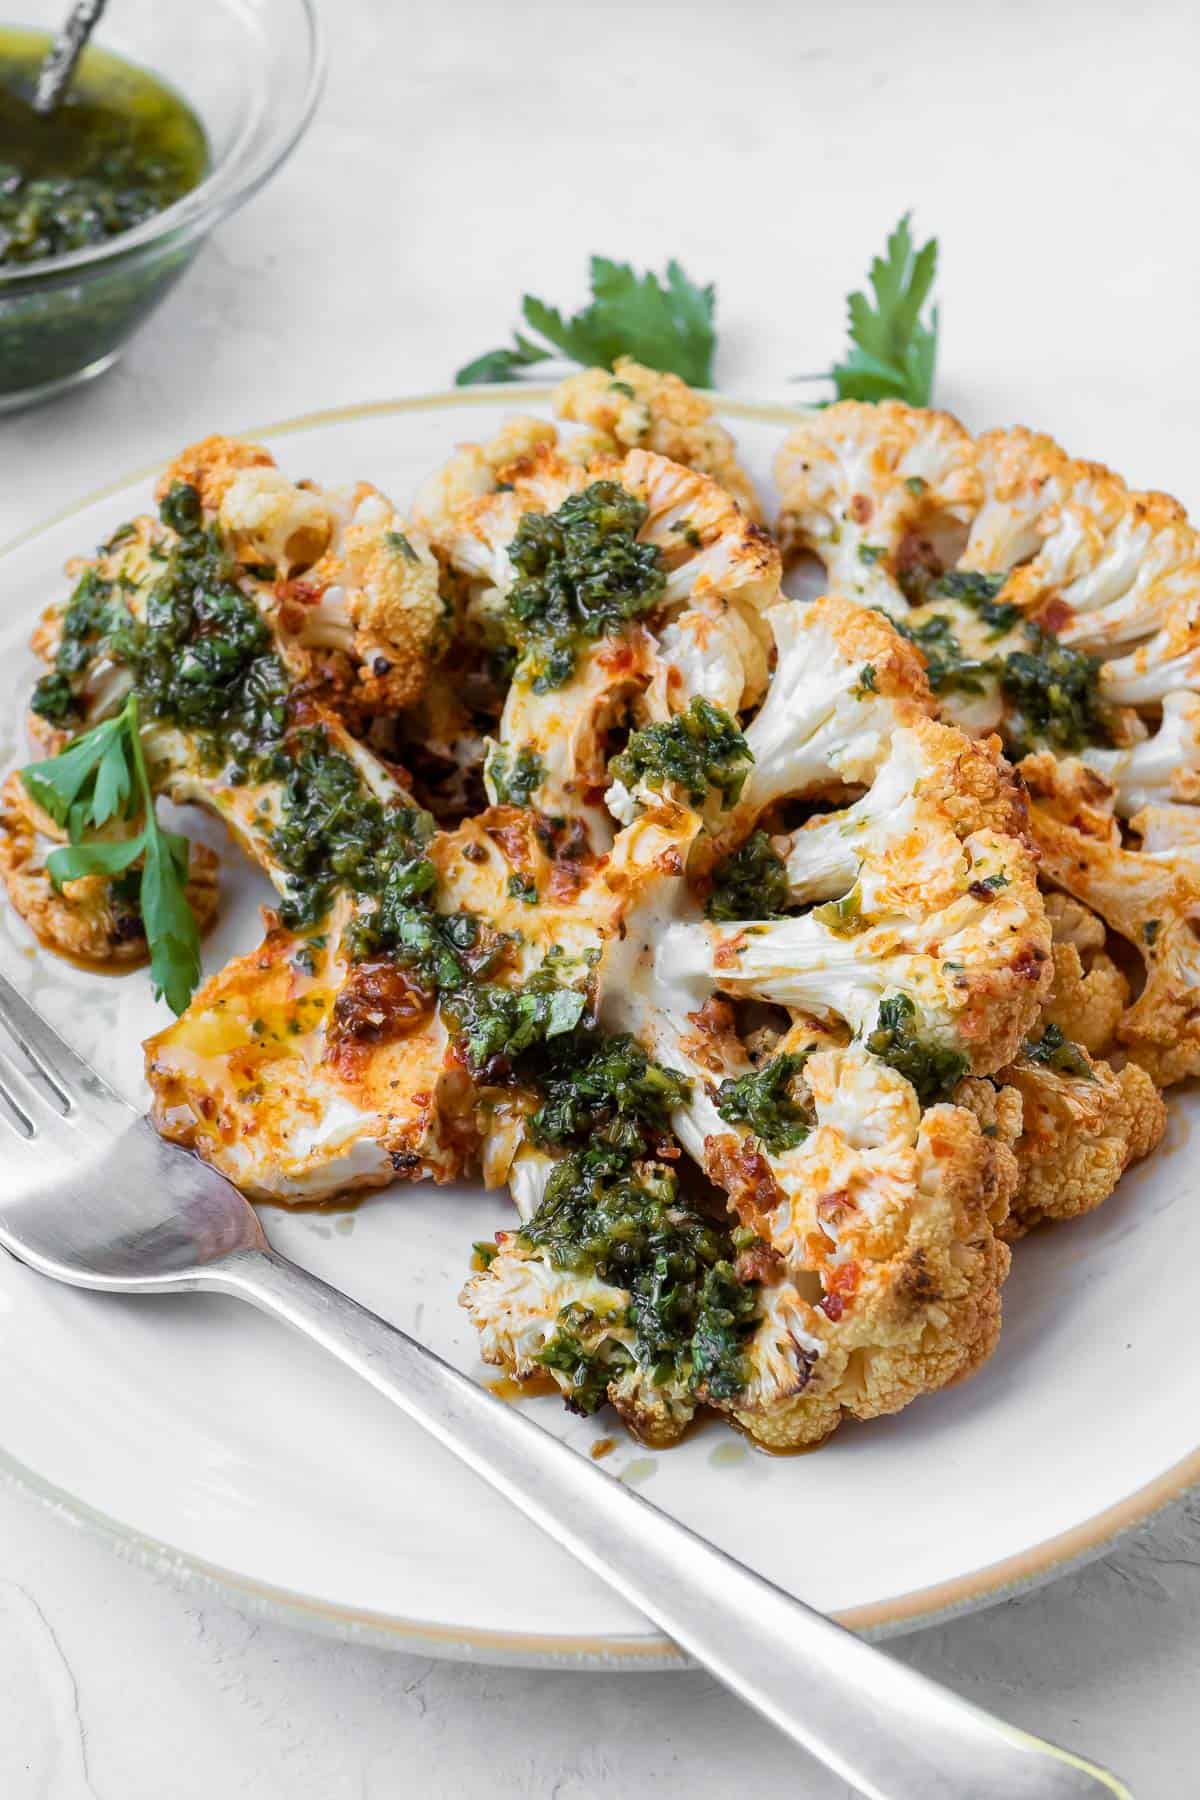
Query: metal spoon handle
[(58, 66), (891, 1732)]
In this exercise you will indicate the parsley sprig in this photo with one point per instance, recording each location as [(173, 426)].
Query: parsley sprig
[(101, 778), (893, 351), (667, 322), (664, 322)]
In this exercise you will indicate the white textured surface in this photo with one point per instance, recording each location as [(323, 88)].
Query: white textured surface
[(455, 161)]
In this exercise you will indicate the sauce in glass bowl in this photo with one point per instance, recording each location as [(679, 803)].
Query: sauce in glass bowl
[(170, 128), (120, 147)]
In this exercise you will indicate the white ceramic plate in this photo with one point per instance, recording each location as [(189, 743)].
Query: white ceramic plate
[(198, 1435)]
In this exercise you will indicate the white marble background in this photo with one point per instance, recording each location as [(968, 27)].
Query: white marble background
[(463, 152)]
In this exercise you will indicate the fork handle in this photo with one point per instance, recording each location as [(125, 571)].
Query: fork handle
[(886, 1729)]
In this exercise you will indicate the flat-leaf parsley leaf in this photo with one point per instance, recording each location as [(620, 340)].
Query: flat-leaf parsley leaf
[(102, 778), (893, 351), (665, 322)]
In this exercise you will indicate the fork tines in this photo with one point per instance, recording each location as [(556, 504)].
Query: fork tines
[(55, 1079)]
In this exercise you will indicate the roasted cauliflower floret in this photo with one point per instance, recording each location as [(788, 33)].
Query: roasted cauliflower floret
[(374, 598), (1083, 1123), (939, 988), (474, 470), (300, 1075), (575, 571), (1096, 565), (1058, 607), (635, 408), (551, 750), (96, 919), (909, 1277), (318, 1063), (879, 1263), (877, 491), (517, 1304), (868, 1266), (165, 610), (1089, 992), (1111, 566), (355, 1046), (1149, 896), (579, 1292), (1047, 598), (932, 941), (996, 1107), (1022, 474), (844, 682), (715, 562), (1100, 583), (267, 519), (631, 408), (702, 657), (1159, 769), (501, 867), (902, 842), (350, 586), (211, 467), (369, 587)]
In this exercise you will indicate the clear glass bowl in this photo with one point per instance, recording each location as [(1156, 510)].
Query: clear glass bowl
[(251, 70)]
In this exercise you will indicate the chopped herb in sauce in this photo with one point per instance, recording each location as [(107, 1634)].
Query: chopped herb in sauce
[(751, 883), (688, 1312), (1054, 1051), (497, 1024), (1052, 690), (118, 149), (515, 777), (898, 1039), (767, 1103), (334, 833), (695, 750), (843, 917), (1056, 692), (607, 1094), (396, 540), (199, 654), (582, 574)]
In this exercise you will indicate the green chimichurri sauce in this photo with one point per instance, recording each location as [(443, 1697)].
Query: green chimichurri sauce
[(119, 148), (201, 655), (582, 574)]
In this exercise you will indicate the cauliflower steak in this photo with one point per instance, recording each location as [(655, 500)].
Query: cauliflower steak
[(865, 1208), (1056, 606)]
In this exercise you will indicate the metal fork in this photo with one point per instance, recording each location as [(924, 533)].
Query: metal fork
[(90, 1194)]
